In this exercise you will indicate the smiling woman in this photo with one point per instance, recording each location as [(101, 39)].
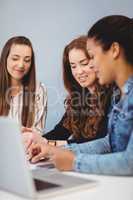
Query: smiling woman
[(18, 62), (21, 97), (100, 59), (81, 71), (86, 103)]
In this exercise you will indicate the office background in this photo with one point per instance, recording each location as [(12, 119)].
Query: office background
[(50, 25)]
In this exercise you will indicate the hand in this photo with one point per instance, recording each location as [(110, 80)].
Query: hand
[(63, 159), (29, 136), (39, 150)]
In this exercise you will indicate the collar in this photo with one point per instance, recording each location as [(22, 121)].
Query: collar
[(128, 86)]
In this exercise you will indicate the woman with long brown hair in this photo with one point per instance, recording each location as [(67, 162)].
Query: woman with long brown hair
[(87, 102), (21, 97)]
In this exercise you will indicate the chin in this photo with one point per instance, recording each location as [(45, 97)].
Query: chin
[(18, 78), (101, 82), (83, 86)]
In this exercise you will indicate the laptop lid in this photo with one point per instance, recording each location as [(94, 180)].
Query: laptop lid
[(14, 174)]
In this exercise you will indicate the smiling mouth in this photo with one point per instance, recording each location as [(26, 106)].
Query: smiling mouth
[(20, 71), (83, 79)]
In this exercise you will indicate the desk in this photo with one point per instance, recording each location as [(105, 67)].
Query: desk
[(108, 188)]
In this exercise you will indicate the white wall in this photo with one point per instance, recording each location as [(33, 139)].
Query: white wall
[(51, 24)]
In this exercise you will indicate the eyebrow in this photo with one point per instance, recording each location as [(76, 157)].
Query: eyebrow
[(19, 56), (81, 61), (85, 59)]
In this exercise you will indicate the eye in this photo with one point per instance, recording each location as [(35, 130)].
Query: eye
[(14, 59), (28, 60), (73, 66), (91, 67), (84, 64)]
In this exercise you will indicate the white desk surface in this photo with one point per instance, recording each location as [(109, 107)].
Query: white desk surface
[(108, 188)]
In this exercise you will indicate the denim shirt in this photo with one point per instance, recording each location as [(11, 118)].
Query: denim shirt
[(112, 154)]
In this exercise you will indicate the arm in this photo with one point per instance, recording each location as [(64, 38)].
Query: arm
[(119, 163), (40, 108), (59, 132), (93, 147)]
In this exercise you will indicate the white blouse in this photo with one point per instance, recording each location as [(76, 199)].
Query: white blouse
[(40, 107)]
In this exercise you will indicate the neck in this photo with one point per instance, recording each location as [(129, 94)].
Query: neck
[(16, 87)]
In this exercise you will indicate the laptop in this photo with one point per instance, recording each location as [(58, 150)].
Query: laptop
[(40, 182)]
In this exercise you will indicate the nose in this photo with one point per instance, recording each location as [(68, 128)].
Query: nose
[(79, 70), (21, 64)]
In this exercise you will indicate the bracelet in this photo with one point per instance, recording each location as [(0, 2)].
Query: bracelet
[(52, 142)]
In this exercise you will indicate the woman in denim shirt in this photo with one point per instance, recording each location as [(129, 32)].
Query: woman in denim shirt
[(110, 46)]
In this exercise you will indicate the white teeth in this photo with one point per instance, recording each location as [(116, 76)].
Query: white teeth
[(83, 78)]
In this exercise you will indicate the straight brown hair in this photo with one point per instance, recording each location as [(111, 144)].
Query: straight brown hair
[(28, 82)]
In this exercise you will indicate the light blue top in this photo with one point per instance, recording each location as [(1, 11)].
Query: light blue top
[(112, 155)]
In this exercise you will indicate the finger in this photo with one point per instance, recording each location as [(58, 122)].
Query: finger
[(28, 157), (27, 139), (32, 148), (27, 145), (37, 158)]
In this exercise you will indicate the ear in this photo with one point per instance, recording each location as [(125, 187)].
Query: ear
[(115, 49)]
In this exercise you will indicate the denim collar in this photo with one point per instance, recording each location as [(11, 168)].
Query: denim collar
[(128, 85)]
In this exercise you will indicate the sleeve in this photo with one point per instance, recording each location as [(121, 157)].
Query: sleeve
[(118, 163), (40, 108), (59, 132), (93, 147)]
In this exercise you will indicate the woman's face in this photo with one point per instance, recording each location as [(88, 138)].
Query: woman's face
[(102, 61), (19, 61), (81, 70)]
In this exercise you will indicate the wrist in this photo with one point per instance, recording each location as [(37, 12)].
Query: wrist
[(52, 142)]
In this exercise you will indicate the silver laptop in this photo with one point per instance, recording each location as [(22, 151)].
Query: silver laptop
[(15, 175)]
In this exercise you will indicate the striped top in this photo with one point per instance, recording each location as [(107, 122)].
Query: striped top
[(40, 107)]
